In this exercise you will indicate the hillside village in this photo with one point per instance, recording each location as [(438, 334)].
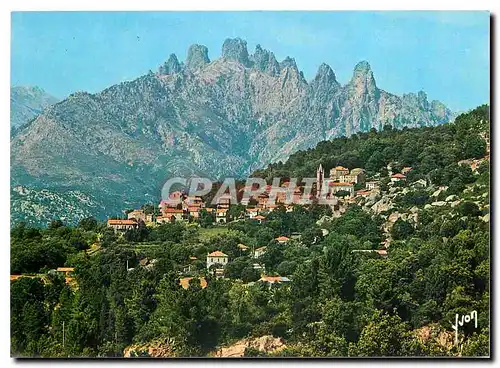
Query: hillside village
[(376, 195), (181, 207)]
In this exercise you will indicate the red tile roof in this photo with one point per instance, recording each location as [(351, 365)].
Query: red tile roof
[(173, 210), (336, 184), (273, 279), (363, 192), (121, 222), (282, 238), (259, 217), (184, 282), (217, 253), (398, 176)]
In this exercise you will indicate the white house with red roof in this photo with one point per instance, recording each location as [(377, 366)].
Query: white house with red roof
[(217, 257), (252, 212)]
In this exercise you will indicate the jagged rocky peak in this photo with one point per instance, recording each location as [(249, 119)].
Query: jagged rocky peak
[(171, 66), (362, 78), (236, 49), (440, 112), (265, 61), (422, 99), (324, 85), (417, 99), (288, 62), (197, 57), (325, 76), (363, 67)]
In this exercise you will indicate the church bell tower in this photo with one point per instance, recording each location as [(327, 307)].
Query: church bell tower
[(320, 179)]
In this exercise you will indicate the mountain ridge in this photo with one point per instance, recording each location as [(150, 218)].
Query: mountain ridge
[(216, 118), (26, 102)]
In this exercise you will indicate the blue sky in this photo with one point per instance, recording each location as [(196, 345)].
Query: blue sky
[(445, 54)]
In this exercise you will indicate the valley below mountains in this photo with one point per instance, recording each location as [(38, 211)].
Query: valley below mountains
[(98, 154)]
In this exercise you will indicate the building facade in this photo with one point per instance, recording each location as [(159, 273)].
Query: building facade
[(337, 172), (217, 257), (338, 187), (122, 225)]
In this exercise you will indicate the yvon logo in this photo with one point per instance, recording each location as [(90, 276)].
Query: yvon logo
[(463, 320)]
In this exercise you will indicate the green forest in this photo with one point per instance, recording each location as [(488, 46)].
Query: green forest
[(342, 299)]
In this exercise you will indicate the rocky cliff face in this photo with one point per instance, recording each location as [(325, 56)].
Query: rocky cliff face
[(216, 118), (26, 103)]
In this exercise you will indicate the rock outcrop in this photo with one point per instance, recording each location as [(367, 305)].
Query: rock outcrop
[(265, 61), (155, 349), (197, 57), (266, 344), (236, 49), (171, 66)]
